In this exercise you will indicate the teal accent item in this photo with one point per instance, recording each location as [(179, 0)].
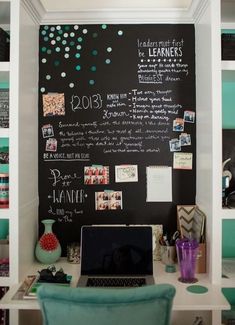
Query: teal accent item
[(148, 305), (4, 228), (170, 268), (48, 249), (197, 289)]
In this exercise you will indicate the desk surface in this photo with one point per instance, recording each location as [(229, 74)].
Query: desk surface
[(184, 300)]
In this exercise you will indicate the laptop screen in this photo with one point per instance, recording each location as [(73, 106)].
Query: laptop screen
[(116, 250)]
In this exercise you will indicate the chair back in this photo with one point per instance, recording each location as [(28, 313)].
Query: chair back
[(148, 305)]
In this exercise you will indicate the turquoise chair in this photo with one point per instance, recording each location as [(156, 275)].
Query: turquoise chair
[(148, 305)]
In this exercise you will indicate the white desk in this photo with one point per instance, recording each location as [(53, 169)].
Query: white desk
[(213, 300)]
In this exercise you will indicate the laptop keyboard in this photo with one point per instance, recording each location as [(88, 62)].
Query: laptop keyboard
[(116, 282)]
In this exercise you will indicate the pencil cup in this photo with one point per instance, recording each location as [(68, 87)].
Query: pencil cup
[(187, 251), (168, 257)]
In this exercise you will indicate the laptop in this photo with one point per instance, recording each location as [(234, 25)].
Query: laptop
[(116, 256)]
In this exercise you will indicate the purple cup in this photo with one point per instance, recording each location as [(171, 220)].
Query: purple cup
[(187, 251)]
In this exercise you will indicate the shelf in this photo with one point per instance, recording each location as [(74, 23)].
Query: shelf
[(4, 281), (228, 213), (4, 133), (4, 214), (228, 25), (228, 65)]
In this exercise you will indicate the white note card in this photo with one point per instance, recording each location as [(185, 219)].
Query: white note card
[(159, 184)]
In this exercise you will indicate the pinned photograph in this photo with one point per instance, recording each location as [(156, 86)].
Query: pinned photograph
[(96, 175), (51, 144), (185, 139), (126, 173), (175, 145), (108, 200), (47, 131), (53, 104), (178, 125), (189, 116)]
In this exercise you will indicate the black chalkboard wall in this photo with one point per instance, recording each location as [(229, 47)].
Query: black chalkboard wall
[(110, 95)]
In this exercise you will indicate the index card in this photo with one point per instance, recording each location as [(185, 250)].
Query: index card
[(159, 184)]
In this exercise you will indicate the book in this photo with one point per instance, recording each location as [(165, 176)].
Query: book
[(4, 108), (31, 292)]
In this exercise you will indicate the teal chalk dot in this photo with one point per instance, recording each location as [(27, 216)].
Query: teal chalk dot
[(72, 34), (94, 52), (120, 32), (93, 68), (48, 51), (51, 35), (58, 27), (109, 49), (67, 28), (48, 77), (43, 32), (71, 85), (78, 67), (42, 90), (79, 47), (71, 43), (91, 82), (52, 28), (46, 27), (56, 63), (107, 61), (77, 55), (66, 55), (104, 26), (60, 32), (46, 38), (94, 35), (57, 49), (58, 38), (44, 49), (64, 42), (79, 39)]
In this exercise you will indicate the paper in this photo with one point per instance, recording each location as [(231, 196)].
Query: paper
[(126, 173), (159, 184), (183, 160)]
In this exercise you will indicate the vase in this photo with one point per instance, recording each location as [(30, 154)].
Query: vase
[(48, 249)]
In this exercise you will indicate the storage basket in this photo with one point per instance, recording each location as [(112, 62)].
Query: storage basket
[(4, 45)]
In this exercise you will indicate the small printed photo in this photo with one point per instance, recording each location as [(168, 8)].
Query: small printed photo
[(189, 116), (47, 131), (96, 175), (101, 201), (178, 125), (185, 139), (108, 200), (53, 104), (175, 145), (51, 144), (126, 173)]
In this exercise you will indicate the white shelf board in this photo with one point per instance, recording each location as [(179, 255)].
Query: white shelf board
[(228, 25), (4, 66), (228, 65), (4, 281), (228, 214), (4, 214), (4, 133)]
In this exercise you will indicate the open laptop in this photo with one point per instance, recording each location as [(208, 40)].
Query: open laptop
[(116, 256)]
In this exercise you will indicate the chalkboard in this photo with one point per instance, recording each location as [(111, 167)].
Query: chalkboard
[(112, 95)]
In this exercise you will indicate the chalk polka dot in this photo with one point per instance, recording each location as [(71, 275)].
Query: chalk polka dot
[(58, 38), (46, 39), (48, 51), (77, 55), (107, 61), (104, 26), (72, 34), (67, 28), (42, 90), (53, 42), (48, 77), (120, 33), (66, 35), (93, 68), (71, 43), (64, 42), (51, 35), (79, 47), (66, 55), (76, 27), (84, 31), (78, 67), (94, 52), (91, 82), (94, 35), (60, 32), (58, 27), (44, 60), (43, 32), (63, 74), (67, 49), (71, 85), (109, 49), (52, 28), (57, 49), (44, 49), (56, 63), (46, 27), (79, 39)]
